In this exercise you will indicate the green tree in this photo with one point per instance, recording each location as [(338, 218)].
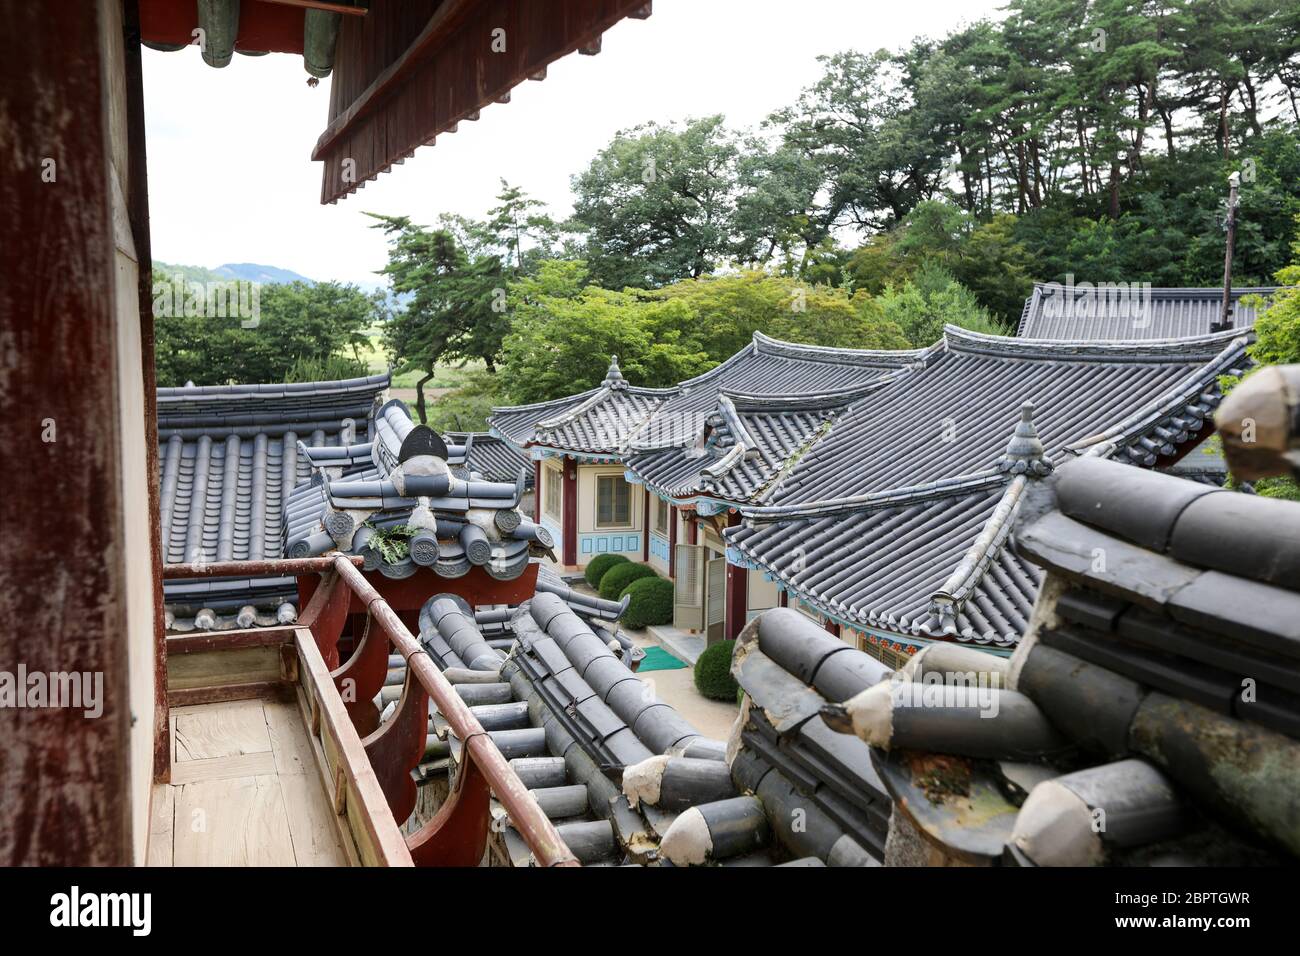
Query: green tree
[(564, 331), (298, 329), (658, 204), (724, 312), (523, 232), (466, 409), (931, 299), (455, 308)]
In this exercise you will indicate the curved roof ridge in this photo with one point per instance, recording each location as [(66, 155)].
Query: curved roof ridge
[(761, 401), (569, 414), (192, 392), (546, 403), (765, 344), (958, 339), (734, 359), (950, 597), (872, 501), (1175, 291)]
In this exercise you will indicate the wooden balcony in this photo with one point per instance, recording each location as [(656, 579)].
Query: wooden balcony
[(244, 791), (278, 755)]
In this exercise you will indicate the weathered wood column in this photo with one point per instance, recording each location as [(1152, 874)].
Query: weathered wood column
[(78, 602)]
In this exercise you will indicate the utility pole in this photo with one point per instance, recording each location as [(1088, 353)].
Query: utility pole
[(1225, 314)]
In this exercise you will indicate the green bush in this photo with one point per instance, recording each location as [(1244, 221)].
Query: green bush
[(601, 563), (620, 576), (713, 672), (652, 602)]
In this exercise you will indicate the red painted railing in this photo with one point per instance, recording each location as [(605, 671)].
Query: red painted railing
[(457, 834)]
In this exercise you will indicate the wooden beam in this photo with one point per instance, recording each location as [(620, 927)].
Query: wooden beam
[(450, 14), (364, 821), (467, 55)]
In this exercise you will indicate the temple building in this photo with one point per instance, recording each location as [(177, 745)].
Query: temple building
[(871, 490)]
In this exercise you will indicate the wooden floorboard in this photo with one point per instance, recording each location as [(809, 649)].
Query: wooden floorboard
[(244, 791), (236, 821), (222, 730)]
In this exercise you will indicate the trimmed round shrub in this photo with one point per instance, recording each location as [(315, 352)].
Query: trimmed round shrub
[(601, 563), (713, 672), (620, 576), (652, 602)]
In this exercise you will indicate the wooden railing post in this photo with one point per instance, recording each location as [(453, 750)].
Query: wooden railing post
[(395, 748), (457, 834), (360, 678), (325, 615)]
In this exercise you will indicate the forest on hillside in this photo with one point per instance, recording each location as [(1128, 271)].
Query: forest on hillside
[(902, 190)]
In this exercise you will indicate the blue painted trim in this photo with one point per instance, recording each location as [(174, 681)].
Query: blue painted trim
[(610, 542), (659, 546)]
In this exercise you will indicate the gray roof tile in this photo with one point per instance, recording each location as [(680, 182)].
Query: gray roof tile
[(1084, 313)]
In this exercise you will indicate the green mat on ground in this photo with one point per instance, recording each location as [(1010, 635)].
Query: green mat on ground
[(658, 659)]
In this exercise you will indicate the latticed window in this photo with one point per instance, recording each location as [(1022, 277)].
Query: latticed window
[(554, 483), (661, 516), (613, 502)]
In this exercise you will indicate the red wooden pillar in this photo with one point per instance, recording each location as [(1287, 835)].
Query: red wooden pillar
[(537, 491), (570, 530), (692, 529), (782, 598), (832, 628), (737, 591), (65, 782), (645, 527), (672, 541)]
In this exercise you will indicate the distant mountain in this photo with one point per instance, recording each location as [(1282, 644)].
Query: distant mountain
[(253, 272), (241, 271)]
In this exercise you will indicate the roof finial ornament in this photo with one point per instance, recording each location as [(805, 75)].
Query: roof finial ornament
[(614, 377), (1025, 454)]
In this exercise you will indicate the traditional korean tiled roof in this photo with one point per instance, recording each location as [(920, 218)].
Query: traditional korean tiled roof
[(741, 449), (880, 568), (897, 520), (490, 456), (410, 478), (951, 417), (595, 423), (609, 419), (770, 368), (1131, 312), (784, 755), (1161, 685), (568, 709), (228, 455)]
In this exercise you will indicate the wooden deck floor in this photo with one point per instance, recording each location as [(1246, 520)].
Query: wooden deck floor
[(244, 791)]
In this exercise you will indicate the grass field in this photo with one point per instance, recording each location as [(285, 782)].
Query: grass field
[(446, 377)]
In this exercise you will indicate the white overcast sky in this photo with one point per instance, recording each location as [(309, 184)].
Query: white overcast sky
[(230, 173)]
